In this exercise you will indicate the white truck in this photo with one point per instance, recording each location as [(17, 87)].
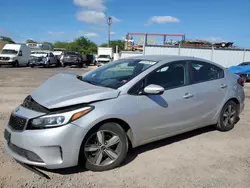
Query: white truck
[(104, 55), (15, 55)]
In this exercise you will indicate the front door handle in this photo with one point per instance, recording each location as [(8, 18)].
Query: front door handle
[(223, 86), (187, 96)]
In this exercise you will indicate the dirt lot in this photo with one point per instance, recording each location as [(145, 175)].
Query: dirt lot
[(200, 159)]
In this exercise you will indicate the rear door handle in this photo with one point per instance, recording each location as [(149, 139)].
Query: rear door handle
[(187, 96), (223, 86)]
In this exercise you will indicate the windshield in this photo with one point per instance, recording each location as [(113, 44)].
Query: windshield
[(103, 56), (116, 74), (7, 51)]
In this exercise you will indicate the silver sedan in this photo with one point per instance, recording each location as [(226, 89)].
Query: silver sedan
[(93, 119)]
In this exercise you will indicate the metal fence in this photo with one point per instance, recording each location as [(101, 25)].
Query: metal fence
[(125, 54), (224, 57)]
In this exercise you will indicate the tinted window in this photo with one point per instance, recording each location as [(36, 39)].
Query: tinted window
[(202, 72), (170, 76)]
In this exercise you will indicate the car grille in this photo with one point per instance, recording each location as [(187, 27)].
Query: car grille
[(31, 104), (17, 123), (4, 58)]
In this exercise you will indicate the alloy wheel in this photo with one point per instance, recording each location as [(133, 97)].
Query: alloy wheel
[(103, 148), (229, 116)]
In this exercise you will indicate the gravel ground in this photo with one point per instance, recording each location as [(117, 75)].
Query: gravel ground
[(200, 159)]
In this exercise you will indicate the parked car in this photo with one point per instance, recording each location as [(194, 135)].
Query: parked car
[(71, 58), (103, 59), (93, 119), (246, 77), (243, 70), (15, 55), (43, 58)]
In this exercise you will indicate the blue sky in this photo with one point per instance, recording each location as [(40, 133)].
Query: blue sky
[(53, 20)]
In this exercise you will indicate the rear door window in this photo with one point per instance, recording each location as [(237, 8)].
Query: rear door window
[(203, 72)]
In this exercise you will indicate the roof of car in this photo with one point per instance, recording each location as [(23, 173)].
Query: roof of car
[(169, 58), (163, 57)]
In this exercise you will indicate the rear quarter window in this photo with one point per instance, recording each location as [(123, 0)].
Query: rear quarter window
[(202, 72)]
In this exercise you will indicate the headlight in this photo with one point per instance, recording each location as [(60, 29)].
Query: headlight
[(48, 121), (56, 120)]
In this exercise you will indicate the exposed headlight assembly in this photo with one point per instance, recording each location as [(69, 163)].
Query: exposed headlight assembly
[(56, 120)]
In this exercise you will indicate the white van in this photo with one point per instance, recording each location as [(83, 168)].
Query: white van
[(15, 55)]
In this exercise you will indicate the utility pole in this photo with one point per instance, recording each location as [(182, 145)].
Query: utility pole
[(109, 24)]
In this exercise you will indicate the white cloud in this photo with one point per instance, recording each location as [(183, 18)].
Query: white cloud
[(90, 34), (91, 4), (93, 11), (114, 19), (55, 33), (112, 33), (91, 16), (162, 20), (86, 34)]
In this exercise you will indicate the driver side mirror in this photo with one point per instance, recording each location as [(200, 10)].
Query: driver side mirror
[(154, 89)]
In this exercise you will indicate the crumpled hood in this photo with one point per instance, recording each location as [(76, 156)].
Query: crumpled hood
[(65, 89)]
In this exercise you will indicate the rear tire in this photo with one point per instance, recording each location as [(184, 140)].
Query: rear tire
[(104, 154), (228, 117)]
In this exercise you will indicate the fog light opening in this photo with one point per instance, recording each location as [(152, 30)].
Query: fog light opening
[(33, 157)]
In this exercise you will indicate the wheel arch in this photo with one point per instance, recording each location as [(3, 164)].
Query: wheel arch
[(234, 99), (124, 125)]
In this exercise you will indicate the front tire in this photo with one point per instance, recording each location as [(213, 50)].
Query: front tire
[(228, 117), (104, 148), (16, 64)]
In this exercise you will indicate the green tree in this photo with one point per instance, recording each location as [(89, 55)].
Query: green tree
[(81, 44), (7, 39), (114, 43)]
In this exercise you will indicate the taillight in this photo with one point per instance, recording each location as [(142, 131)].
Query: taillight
[(241, 81)]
